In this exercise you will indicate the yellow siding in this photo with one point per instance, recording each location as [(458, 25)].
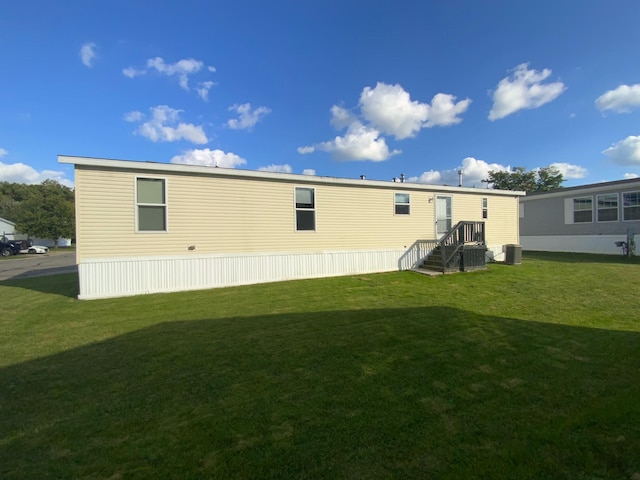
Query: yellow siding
[(232, 215), (501, 224)]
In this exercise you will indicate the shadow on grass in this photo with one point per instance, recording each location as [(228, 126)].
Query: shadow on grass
[(580, 258), (416, 392), (64, 284)]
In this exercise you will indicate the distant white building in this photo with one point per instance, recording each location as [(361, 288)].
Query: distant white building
[(7, 229)]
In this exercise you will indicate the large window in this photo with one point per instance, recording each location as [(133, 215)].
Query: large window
[(151, 202), (583, 210), (403, 203), (608, 207), (305, 209), (631, 206)]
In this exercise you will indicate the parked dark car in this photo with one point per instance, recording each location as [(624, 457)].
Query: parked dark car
[(9, 248)]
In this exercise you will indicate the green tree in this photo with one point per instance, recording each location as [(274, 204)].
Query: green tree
[(538, 180), (48, 211), (11, 195)]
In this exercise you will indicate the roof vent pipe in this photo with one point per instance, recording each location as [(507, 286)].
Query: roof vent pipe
[(460, 177), (362, 177), (402, 177)]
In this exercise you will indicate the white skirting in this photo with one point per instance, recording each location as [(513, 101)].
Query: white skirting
[(119, 277), (575, 243)]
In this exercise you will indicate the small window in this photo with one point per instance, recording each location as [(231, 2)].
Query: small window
[(583, 210), (608, 208), (485, 208), (403, 203), (305, 209), (151, 205), (631, 206)]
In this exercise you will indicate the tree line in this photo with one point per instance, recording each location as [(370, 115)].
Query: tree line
[(45, 210), (537, 180)]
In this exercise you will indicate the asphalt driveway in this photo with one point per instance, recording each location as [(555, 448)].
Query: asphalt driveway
[(25, 265)]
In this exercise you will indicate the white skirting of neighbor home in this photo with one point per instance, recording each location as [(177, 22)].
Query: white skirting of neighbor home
[(575, 243)]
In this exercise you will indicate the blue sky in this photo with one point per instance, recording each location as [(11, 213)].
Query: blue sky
[(329, 88)]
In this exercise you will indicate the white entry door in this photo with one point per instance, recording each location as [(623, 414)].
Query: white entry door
[(443, 215)]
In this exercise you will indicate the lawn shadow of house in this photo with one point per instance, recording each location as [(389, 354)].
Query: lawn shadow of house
[(431, 391)]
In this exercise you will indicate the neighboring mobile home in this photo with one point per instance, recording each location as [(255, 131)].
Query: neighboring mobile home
[(587, 219), (144, 227)]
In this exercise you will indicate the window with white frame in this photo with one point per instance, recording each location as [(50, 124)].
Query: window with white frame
[(402, 203), (151, 205), (485, 208), (607, 207), (583, 210), (305, 208), (631, 206)]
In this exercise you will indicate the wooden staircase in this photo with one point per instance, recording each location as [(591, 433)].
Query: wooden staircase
[(462, 249)]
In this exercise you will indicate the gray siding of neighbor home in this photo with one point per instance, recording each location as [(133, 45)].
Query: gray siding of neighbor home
[(545, 214)]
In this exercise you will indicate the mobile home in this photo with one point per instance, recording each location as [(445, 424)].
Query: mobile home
[(595, 218), (144, 227)]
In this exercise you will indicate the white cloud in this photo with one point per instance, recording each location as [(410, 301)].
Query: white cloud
[(132, 72), (164, 127), (523, 90), (390, 109), (430, 177), (133, 116), (625, 152), (385, 110), (570, 171), (88, 53), (203, 90), (621, 100), (3, 152), (305, 150), (629, 176), (341, 117), (247, 118), (309, 171), (209, 158), (359, 143), (444, 110), (182, 68), (21, 173), (277, 168), (473, 172)]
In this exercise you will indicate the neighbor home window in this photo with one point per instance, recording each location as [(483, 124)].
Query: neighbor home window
[(608, 208), (583, 210), (403, 202), (485, 208), (151, 201), (305, 209), (631, 206)]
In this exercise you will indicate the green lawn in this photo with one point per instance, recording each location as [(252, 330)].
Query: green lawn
[(528, 371)]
